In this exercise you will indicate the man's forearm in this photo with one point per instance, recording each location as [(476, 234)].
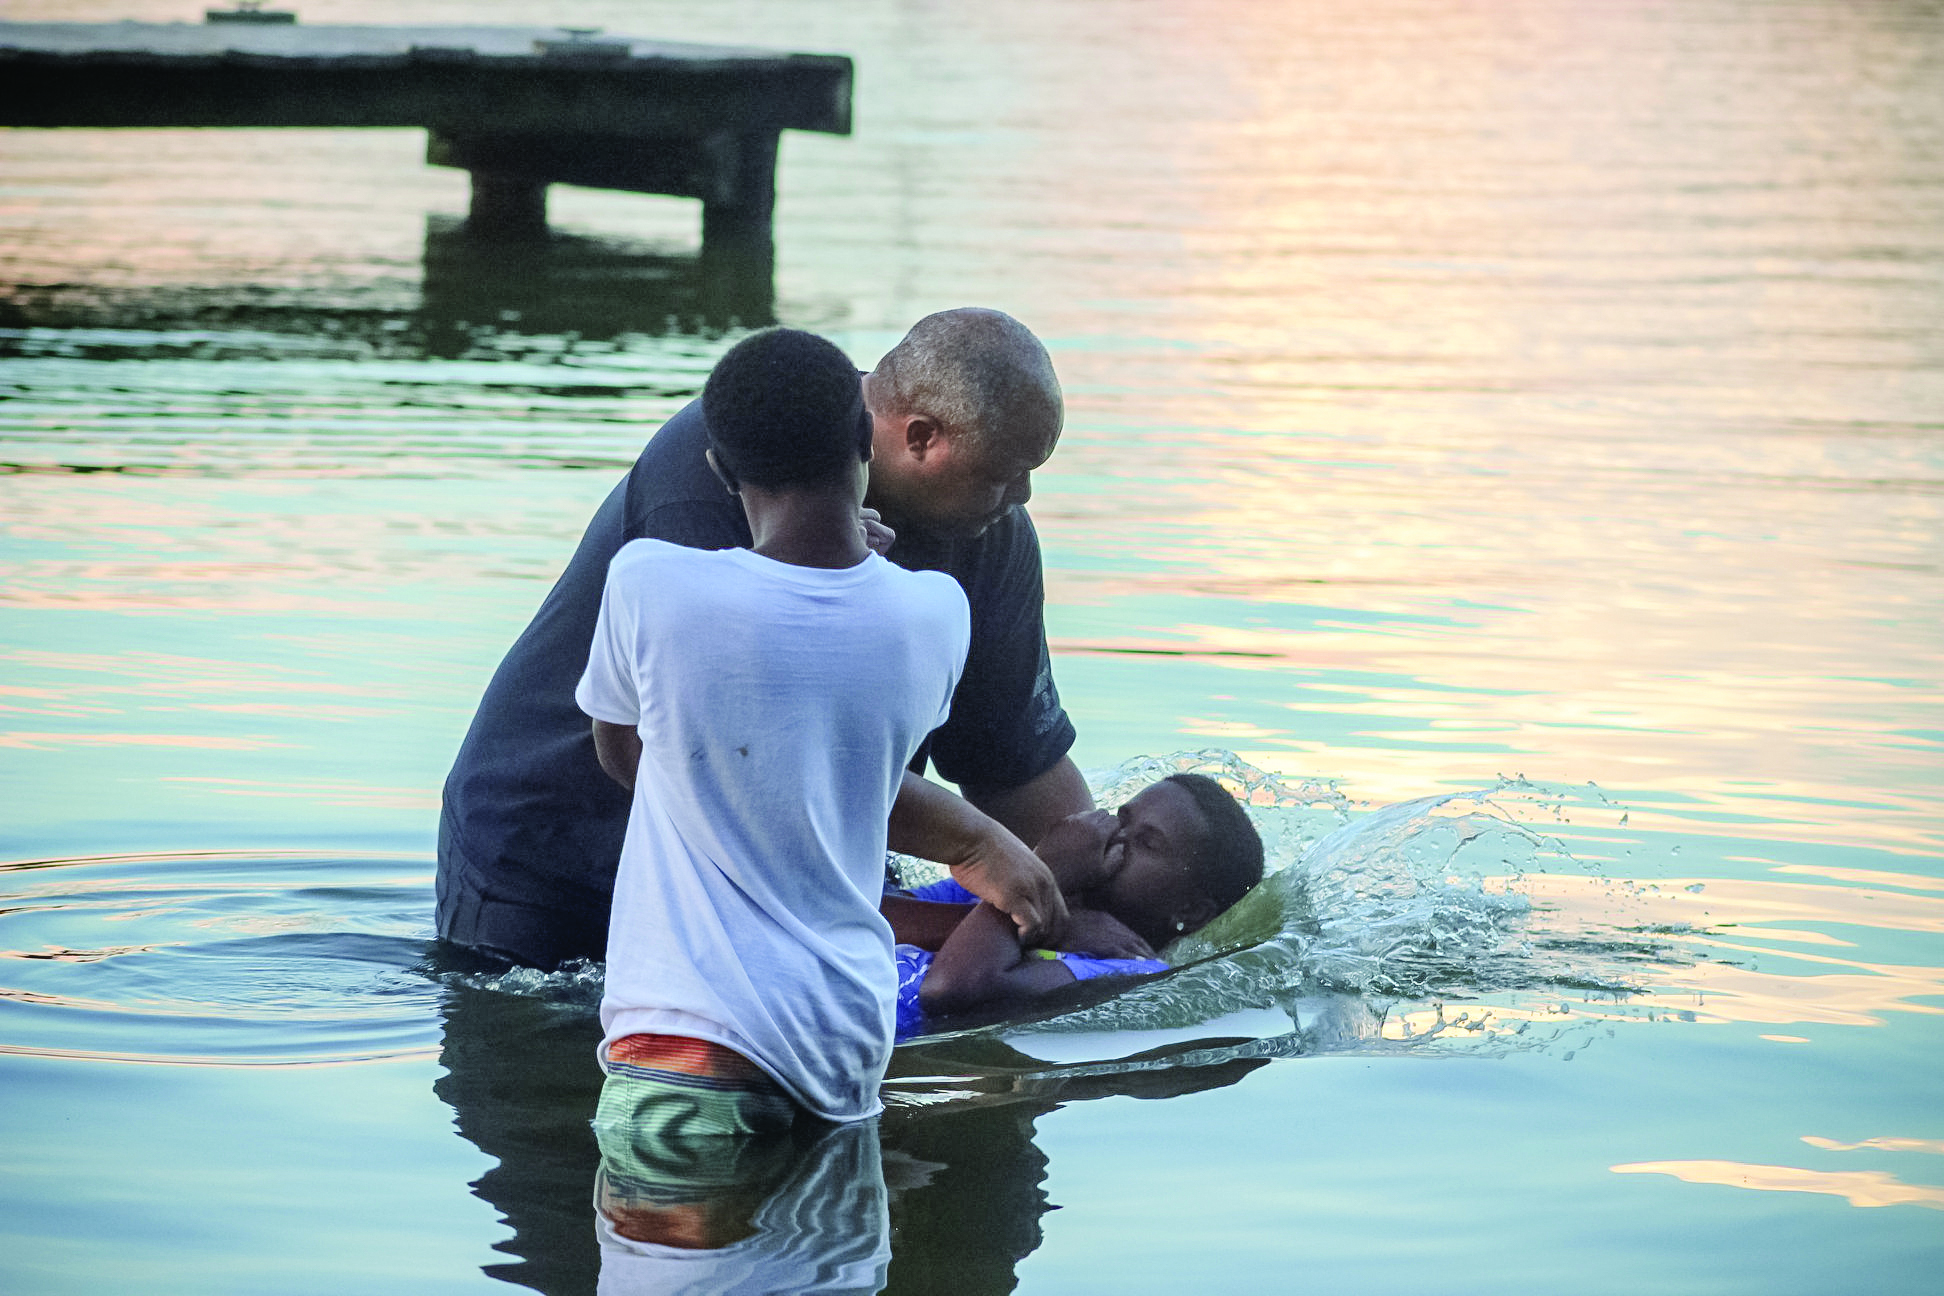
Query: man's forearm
[(932, 822), (937, 824), (1037, 804)]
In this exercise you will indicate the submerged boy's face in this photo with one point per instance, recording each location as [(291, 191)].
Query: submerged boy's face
[(1139, 863)]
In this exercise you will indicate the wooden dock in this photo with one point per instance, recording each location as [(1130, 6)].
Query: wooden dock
[(519, 107)]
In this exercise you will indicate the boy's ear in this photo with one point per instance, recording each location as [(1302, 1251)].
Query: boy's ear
[(721, 470), (1195, 914)]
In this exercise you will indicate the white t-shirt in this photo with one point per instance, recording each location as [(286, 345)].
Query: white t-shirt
[(777, 707)]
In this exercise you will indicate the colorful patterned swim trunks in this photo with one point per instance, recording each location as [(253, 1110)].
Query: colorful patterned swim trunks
[(691, 1136), (672, 1089)]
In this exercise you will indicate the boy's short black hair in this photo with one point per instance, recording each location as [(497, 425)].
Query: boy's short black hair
[(786, 408), (1231, 856)]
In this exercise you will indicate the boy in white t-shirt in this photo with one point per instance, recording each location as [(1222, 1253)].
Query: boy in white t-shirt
[(763, 705)]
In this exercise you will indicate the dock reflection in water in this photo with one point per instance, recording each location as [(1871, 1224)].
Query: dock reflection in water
[(598, 288), (564, 284)]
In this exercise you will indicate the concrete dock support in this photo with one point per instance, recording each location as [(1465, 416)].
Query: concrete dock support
[(507, 209), (733, 173), (738, 242)]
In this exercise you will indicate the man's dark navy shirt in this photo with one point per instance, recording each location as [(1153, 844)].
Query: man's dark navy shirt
[(531, 828)]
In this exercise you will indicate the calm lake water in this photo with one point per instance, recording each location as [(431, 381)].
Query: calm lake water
[(1507, 437)]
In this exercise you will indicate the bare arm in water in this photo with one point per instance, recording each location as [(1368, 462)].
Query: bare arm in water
[(1033, 807), (932, 823)]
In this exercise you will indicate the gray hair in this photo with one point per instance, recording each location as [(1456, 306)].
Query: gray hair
[(980, 373)]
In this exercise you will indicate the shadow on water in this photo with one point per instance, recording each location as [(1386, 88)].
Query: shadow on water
[(1361, 916), (521, 1079), (595, 287), (943, 1192), (600, 288), (960, 1129), (1419, 929)]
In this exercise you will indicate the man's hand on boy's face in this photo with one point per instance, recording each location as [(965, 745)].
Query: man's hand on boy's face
[(1075, 849), (878, 537), (1018, 884)]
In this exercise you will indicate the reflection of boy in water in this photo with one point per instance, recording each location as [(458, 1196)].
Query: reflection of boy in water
[(1176, 855), (796, 1212), (768, 700)]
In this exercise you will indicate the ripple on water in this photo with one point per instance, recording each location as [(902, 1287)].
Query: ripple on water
[(218, 959), (285, 959)]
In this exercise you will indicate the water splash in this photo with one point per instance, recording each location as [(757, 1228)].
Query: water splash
[(575, 984), (1419, 899)]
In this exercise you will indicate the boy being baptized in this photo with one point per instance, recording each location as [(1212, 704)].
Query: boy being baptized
[(1174, 857)]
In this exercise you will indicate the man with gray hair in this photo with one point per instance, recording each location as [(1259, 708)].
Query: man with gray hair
[(962, 411), (980, 390)]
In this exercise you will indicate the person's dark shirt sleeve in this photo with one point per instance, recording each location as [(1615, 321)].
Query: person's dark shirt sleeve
[(531, 826), (1007, 726)]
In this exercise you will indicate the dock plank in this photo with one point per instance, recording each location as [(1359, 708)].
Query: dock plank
[(501, 80)]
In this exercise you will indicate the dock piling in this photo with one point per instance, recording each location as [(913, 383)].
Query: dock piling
[(507, 209)]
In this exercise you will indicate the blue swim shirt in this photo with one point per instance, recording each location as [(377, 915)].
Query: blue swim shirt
[(913, 962)]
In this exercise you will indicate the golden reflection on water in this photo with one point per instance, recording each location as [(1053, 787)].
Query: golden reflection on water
[(1717, 993), (153, 208), (273, 546), (30, 740), (1879, 1144), (157, 689), (1495, 631), (1885, 817), (1712, 904), (1700, 915), (316, 792), (1719, 920), (173, 676), (1858, 1187), (1873, 876)]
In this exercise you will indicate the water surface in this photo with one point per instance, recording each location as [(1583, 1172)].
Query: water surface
[(1504, 437)]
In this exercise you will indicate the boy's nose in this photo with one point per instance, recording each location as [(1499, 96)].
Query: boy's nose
[(1100, 823), (1092, 816)]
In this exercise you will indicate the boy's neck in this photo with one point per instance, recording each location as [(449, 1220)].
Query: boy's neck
[(806, 526)]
